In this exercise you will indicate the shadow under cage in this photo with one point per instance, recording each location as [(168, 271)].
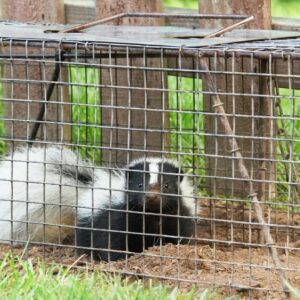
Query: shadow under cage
[(161, 161)]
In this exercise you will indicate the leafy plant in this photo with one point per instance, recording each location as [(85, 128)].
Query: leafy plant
[(288, 150), (86, 111), (186, 120)]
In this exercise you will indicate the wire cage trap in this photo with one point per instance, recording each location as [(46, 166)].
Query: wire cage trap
[(122, 128)]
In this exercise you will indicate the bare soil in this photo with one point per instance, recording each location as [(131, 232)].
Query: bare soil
[(228, 256)]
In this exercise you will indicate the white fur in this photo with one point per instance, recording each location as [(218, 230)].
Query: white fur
[(106, 191), (188, 197), (153, 170), (33, 192)]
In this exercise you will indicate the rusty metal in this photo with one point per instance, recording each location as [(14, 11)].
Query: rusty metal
[(140, 35), (229, 28), (79, 28)]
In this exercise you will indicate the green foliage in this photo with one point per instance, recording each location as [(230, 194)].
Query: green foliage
[(295, 292), (289, 126), (280, 8), (286, 8), (86, 111), (186, 120), (182, 3), (290, 104), (27, 280)]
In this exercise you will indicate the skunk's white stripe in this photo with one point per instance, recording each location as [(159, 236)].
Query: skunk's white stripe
[(153, 160), (153, 170)]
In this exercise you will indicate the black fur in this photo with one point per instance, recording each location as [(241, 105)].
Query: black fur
[(144, 230)]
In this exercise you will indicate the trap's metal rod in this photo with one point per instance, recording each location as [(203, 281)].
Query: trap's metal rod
[(78, 28), (49, 92), (218, 106), (153, 52), (229, 28)]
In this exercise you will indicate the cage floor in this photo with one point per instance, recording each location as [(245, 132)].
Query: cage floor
[(229, 268)]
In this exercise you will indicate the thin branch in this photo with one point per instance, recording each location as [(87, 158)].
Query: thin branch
[(218, 106)]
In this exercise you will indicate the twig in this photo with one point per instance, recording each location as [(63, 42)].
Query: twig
[(218, 106), (76, 262)]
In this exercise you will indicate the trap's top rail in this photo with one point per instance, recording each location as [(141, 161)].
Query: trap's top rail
[(165, 36)]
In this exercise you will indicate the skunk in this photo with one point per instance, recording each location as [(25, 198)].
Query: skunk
[(44, 192), (156, 209)]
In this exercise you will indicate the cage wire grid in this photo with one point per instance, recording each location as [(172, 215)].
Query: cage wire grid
[(111, 104)]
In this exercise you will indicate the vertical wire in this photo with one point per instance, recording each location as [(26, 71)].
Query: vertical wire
[(44, 97), (233, 175), (112, 120), (252, 153), (13, 146), (128, 155), (215, 171), (144, 66), (26, 73), (163, 106)]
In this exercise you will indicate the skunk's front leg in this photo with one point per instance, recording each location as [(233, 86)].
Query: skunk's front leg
[(104, 234)]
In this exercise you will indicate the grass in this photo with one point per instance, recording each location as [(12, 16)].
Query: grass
[(24, 280), (294, 292)]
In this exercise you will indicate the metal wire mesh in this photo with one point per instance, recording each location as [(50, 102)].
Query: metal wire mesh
[(112, 104)]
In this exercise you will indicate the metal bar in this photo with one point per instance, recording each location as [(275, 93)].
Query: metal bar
[(229, 28), (94, 23), (51, 86), (155, 52), (78, 28)]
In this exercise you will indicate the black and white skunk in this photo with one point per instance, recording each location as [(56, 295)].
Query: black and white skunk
[(44, 192)]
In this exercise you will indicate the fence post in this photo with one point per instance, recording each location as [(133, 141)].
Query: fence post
[(122, 142), (18, 96), (220, 170)]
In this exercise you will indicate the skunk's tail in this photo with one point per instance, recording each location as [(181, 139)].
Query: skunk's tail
[(64, 162)]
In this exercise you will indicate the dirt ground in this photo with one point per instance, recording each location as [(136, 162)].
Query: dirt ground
[(228, 256)]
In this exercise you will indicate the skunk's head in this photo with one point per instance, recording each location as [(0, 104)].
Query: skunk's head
[(159, 185)]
